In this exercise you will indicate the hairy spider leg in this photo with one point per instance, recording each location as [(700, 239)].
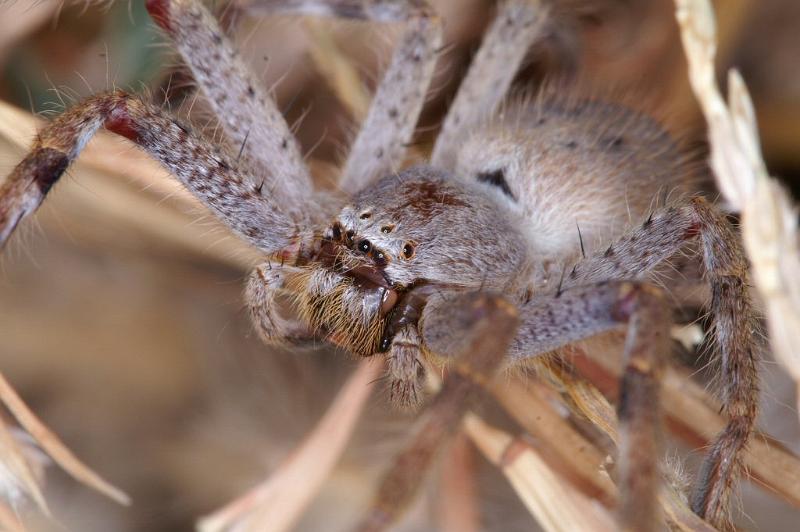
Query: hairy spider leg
[(484, 324), (661, 236), (264, 286), (248, 115), (204, 170), (518, 25), (380, 146)]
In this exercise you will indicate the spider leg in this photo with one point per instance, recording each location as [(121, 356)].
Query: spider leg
[(486, 324), (405, 371), (518, 24), (207, 173), (248, 115), (633, 256), (381, 143), (261, 294), (551, 322)]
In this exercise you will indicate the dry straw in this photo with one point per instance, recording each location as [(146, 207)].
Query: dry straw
[(20, 476), (276, 504), (769, 219)]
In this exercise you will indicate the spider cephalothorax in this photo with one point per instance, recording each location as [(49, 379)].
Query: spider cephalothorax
[(396, 235), (535, 223)]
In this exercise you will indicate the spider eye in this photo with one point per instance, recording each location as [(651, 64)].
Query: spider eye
[(365, 215), (350, 235), (386, 229), (337, 232), (408, 250), (364, 246)]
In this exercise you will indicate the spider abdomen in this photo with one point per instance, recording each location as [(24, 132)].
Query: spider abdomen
[(570, 165)]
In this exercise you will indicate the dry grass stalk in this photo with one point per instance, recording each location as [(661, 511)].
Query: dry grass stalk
[(577, 458), (563, 447), (772, 466), (18, 476), (276, 504), (337, 69), (678, 514), (523, 467), (692, 414), (590, 402), (769, 219), (555, 503), (53, 446)]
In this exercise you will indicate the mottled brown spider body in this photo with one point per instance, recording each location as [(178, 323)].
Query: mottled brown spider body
[(535, 224)]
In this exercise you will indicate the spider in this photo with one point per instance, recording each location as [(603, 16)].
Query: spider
[(469, 261)]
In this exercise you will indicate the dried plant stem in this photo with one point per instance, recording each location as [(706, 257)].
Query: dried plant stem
[(14, 462), (679, 515), (575, 457), (573, 463), (51, 445), (692, 414), (337, 69), (689, 407), (564, 448), (342, 75), (277, 503), (555, 503), (769, 219)]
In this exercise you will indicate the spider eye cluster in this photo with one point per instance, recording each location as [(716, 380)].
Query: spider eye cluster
[(338, 234)]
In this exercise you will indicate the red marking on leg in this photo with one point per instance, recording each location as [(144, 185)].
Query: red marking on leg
[(692, 231), (159, 12), (120, 122)]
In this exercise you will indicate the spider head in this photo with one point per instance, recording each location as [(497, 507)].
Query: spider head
[(419, 227)]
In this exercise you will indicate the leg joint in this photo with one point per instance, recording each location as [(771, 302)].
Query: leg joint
[(633, 296)]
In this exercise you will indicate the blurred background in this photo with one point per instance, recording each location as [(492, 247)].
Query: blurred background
[(121, 316)]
